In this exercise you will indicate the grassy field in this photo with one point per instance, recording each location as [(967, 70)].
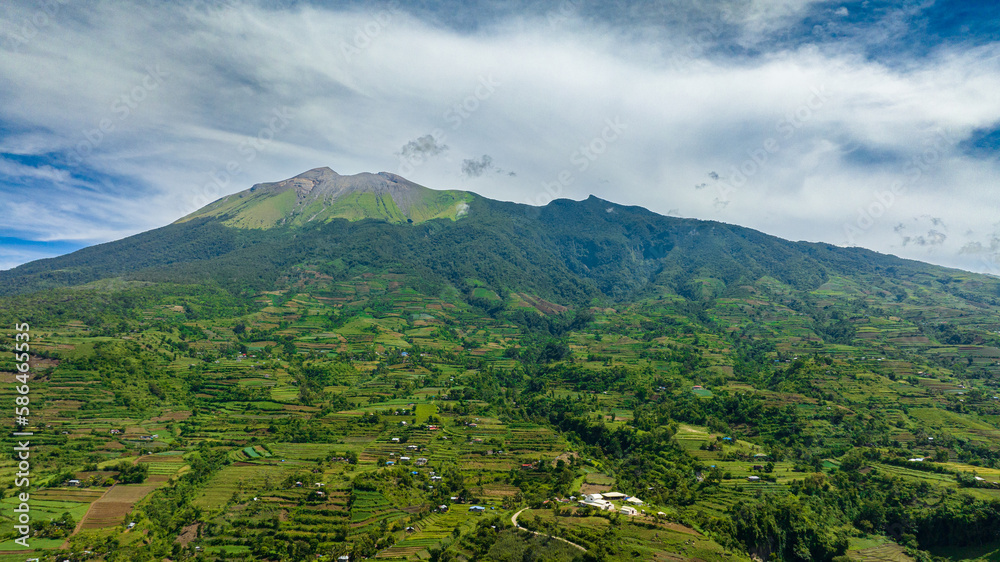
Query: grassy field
[(328, 380)]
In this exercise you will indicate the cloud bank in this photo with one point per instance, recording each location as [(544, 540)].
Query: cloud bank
[(817, 121)]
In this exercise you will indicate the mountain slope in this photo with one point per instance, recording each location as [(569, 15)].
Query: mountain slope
[(569, 252), (758, 391), (322, 195)]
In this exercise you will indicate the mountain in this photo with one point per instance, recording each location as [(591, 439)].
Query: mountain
[(336, 366), (321, 195), (569, 252)]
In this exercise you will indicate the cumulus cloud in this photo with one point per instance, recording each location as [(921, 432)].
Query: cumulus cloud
[(932, 238), (475, 168), (478, 167), (422, 147)]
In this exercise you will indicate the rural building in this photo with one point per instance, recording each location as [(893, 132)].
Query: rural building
[(753, 478), (477, 509), (613, 495), (603, 505), (634, 500), (629, 510)]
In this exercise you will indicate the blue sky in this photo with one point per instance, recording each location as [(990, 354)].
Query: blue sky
[(867, 123)]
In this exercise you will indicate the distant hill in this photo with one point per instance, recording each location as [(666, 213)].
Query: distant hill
[(569, 252)]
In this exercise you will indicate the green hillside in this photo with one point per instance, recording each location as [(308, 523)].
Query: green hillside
[(295, 390), (322, 195)]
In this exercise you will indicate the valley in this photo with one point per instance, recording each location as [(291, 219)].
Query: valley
[(348, 389)]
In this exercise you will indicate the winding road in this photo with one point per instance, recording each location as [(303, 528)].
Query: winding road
[(513, 520)]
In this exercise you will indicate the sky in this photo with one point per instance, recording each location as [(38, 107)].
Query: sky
[(867, 123)]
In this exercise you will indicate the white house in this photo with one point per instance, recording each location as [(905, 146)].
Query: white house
[(635, 501), (629, 510), (603, 505)]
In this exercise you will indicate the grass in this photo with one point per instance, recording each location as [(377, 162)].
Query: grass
[(984, 553)]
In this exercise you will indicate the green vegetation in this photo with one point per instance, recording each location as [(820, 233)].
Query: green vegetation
[(208, 392)]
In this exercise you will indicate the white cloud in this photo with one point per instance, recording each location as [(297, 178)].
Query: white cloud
[(13, 169), (529, 92)]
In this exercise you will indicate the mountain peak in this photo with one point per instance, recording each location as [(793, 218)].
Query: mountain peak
[(322, 171), (321, 194)]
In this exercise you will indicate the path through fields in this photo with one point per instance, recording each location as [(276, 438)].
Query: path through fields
[(79, 524), (513, 520)]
